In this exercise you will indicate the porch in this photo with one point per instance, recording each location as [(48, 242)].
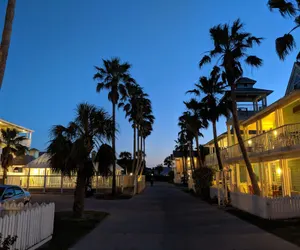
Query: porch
[(284, 140)]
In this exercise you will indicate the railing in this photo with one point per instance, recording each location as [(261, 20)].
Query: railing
[(267, 208), (46, 182), (33, 225), (278, 139)]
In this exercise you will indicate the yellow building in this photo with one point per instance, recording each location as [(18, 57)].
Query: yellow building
[(272, 139)]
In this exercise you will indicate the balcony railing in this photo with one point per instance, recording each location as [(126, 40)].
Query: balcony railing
[(278, 139)]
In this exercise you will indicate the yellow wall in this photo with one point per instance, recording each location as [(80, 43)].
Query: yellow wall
[(269, 122), (288, 114)]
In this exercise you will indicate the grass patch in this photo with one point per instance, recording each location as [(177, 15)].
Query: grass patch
[(285, 229), (67, 230)]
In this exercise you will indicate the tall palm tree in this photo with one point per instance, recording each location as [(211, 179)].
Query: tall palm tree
[(6, 34), (70, 147), (212, 107), (286, 43), (12, 147), (230, 47), (113, 76), (195, 123), (189, 130), (130, 106), (182, 146)]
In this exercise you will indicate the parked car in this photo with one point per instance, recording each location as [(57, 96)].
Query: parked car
[(11, 193)]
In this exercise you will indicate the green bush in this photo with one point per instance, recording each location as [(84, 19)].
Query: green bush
[(203, 178), (6, 243), (171, 176)]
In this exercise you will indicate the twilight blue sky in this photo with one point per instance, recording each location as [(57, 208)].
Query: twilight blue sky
[(56, 43)]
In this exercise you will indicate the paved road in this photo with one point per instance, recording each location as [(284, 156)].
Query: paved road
[(164, 217)]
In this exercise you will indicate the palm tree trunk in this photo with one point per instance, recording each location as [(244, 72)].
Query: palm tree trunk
[(200, 163), (217, 145), (236, 125), (144, 157), (138, 153), (114, 186), (192, 163), (78, 205), (134, 147), (4, 47)]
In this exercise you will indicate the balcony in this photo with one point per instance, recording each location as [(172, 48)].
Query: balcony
[(245, 111), (285, 138)]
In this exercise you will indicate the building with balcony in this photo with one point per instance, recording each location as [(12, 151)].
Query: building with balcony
[(22, 131), (272, 138)]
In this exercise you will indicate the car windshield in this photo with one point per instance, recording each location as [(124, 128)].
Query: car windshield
[(1, 190)]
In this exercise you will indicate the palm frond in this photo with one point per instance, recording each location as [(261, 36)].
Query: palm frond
[(254, 61), (205, 59), (285, 8), (284, 45)]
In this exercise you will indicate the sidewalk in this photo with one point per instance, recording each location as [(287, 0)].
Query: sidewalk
[(164, 217)]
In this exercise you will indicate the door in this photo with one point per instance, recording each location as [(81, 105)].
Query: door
[(19, 195)]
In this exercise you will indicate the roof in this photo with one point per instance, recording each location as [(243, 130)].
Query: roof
[(219, 137), (23, 160), (40, 162), (10, 124), (6, 186), (244, 80)]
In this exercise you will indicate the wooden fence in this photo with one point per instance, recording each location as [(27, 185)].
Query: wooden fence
[(267, 208), (32, 224)]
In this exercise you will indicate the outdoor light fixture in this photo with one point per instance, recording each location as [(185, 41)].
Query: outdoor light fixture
[(278, 171), (250, 142), (275, 132), (130, 174)]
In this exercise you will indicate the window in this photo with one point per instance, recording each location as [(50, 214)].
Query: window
[(18, 191), (9, 192)]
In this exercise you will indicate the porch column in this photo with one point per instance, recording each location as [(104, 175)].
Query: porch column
[(61, 183), (237, 177), (262, 179), (279, 117), (286, 186), (45, 179), (28, 178)]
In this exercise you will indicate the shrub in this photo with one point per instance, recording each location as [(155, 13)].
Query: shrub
[(6, 243), (203, 180)]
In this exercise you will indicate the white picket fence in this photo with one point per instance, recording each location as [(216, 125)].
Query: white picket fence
[(267, 208), (214, 192), (32, 224)]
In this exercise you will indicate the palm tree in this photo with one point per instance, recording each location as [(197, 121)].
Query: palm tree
[(196, 122), (138, 108), (286, 43), (6, 34), (230, 46), (212, 107), (12, 147), (168, 162), (113, 76), (182, 146), (70, 147)]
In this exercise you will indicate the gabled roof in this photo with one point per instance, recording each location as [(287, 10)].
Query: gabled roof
[(294, 78)]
